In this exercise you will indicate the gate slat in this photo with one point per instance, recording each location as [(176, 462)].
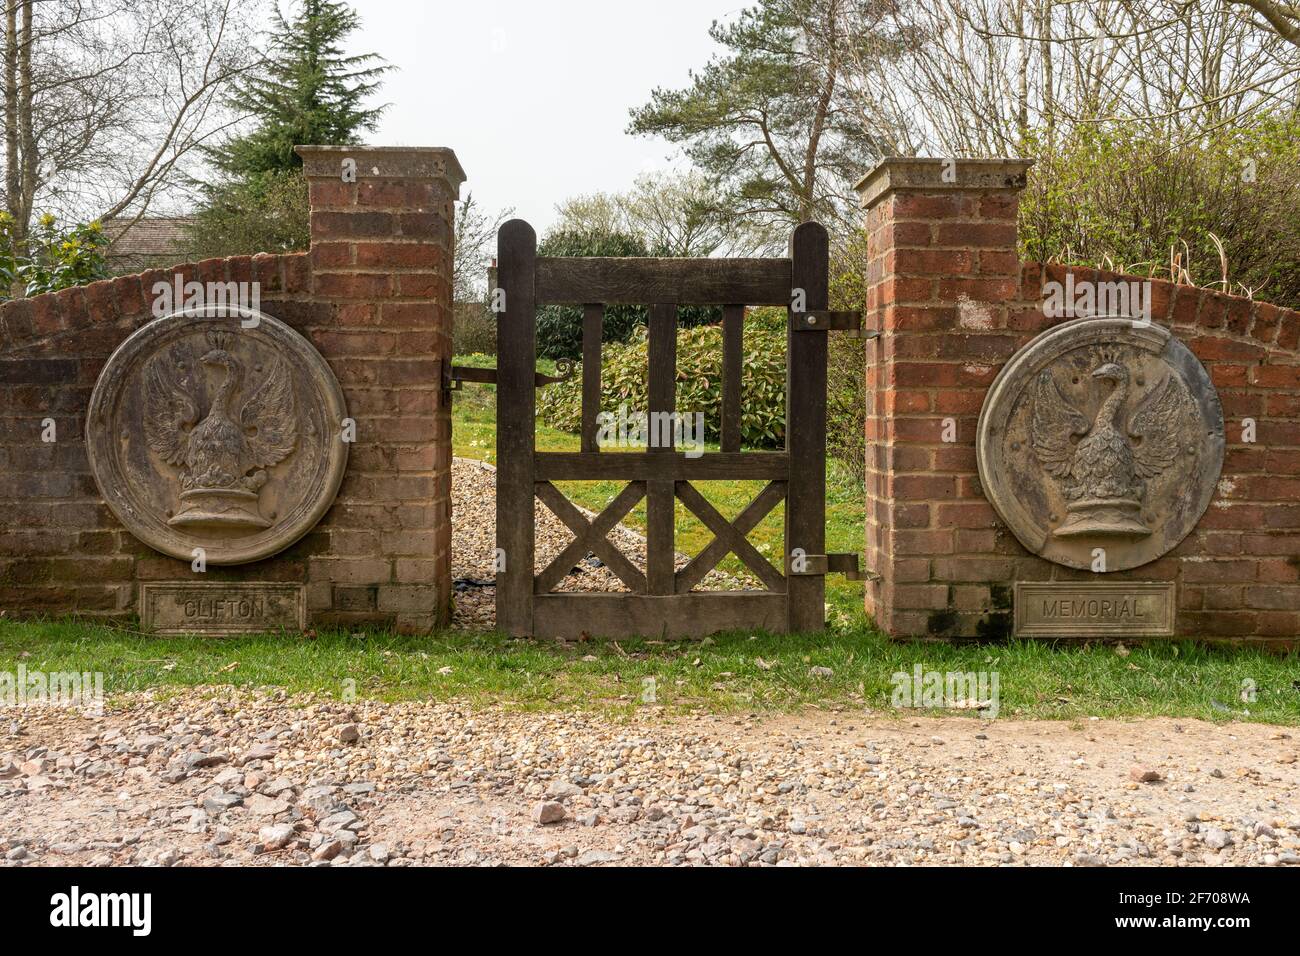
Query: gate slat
[(660, 493), (805, 430), (733, 354), (592, 321), (516, 362)]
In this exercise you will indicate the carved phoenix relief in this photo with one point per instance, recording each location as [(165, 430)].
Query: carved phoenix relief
[(217, 432), (1100, 443), (222, 451), (1102, 465)]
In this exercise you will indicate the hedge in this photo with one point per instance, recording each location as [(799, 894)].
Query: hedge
[(699, 383)]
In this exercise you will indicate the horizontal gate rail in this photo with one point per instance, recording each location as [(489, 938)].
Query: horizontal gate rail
[(488, 376), (619, 614), (648, 466), (640, 281)]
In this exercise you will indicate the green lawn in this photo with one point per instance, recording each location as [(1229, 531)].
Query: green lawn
[(733, 672)]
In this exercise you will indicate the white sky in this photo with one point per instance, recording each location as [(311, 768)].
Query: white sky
[(534, 96)]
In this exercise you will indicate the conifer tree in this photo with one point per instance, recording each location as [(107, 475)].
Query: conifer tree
[(309, 91)]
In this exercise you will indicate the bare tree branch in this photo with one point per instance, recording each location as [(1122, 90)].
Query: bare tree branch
[(1282, 17)]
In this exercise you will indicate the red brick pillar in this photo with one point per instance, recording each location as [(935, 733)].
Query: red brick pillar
[(942, 273), (382, 228)]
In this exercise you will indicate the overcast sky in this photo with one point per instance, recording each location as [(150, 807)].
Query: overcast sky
[(533, 95)]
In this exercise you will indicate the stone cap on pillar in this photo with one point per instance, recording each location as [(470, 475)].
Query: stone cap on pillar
[(385, 162), (899, 173)]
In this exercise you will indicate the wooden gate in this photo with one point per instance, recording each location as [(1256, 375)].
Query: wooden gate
[(663, 601)]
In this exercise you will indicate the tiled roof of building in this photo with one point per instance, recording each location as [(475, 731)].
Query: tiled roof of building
[(151, 239)]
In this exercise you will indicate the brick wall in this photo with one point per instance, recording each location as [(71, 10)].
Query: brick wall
[(953, 304), (373, 296)]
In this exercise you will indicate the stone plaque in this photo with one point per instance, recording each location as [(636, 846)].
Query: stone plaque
[(1100, 443), (1094, 609), (220, 608), (220, 431)]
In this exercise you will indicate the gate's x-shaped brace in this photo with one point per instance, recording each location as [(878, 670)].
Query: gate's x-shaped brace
[(590, 536)]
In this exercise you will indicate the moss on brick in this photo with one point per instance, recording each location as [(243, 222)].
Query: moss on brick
[(1000, 594), (994, 627), (942, 622)]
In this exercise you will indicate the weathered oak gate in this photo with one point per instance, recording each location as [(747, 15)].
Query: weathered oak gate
[(662, 601)]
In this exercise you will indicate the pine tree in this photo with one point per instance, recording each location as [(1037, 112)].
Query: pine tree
[(770, 120), (308, 92)]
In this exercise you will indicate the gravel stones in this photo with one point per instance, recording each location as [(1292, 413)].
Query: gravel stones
[(264, 806), (548, 811), (446, 783), (347, 733), (338, 821), (1140, 774), (276, 837), (562, 790), (1216, 839)]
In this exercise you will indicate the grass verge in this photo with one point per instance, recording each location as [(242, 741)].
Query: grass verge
[(738, 672)]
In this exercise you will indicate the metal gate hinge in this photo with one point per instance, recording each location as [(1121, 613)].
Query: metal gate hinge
[(460, 374), (826, 320), (488, 376)]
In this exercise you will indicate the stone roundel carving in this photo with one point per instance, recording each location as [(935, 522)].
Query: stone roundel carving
[(217, 430), (1101, 433)]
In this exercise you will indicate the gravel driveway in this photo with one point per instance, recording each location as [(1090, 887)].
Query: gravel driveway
[(218, 777)]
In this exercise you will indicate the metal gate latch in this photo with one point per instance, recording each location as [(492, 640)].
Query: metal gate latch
[(461, 374), (816, 565), (826, 320)]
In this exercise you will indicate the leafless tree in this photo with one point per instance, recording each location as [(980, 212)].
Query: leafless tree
[(674, 213), (107, 102), (592, 212), (476, 236), (1282, 17), (681, 214), (981, 75)]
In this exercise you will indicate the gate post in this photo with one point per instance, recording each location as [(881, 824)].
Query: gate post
[(805, 430), (382, 235), (516, 426), (942, 271)]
